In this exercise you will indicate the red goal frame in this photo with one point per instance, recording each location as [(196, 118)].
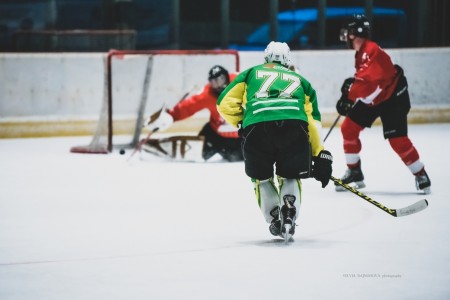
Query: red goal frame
[(109, 87)]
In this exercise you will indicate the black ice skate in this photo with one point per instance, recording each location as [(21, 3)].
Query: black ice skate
[(275, 225), (287, 215), (423, 182), (353, 177), (208, 150)]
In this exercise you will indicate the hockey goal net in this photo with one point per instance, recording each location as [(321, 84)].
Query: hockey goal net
[(138, 83)]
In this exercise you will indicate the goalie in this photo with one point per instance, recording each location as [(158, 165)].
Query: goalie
[(219, 137)]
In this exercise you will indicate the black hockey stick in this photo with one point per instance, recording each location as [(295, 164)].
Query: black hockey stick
[(332, 126), (401, 212)]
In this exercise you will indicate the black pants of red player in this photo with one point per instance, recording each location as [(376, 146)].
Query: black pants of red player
[(228, 148), (393, 112), (280, 146)]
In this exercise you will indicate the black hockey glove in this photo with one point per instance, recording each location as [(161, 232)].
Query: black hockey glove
[(344, 105), (346, 85), (322, 167)]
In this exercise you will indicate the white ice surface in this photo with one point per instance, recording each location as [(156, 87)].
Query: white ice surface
[(78, 226)]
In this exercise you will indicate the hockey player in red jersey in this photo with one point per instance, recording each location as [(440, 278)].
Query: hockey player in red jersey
[(219, 136), (378, 89)]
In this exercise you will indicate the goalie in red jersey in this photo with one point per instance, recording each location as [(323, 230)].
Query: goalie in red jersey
[(378, 89), (219, 137)]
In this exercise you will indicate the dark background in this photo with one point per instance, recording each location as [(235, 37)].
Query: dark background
[(99, 25)]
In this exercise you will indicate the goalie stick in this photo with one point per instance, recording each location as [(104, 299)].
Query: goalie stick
[(143, 141), (154, 117), (177, 141), (400, 212)]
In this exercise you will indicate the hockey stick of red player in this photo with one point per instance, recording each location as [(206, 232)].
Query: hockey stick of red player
[(400, 212), (332, 126)]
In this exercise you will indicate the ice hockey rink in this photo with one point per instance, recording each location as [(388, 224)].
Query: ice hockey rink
[(91, 226)]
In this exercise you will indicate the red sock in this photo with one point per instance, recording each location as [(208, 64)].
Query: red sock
[(350, 133), (405, 149)]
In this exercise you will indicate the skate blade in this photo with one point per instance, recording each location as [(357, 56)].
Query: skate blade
[(426, 190), (355, 185), (287, 235)]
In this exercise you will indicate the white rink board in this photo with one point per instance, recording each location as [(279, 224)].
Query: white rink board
[(51, 84), (62, 94), (171, 77), (427, 71)]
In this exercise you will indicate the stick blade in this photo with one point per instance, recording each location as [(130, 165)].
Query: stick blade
[(412, 209)]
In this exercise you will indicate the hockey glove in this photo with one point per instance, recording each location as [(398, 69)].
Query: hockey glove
[(160, 122), (346, 85), (322, 167), (344, 105)]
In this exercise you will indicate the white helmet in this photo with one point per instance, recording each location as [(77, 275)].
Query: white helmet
[(278, 52)]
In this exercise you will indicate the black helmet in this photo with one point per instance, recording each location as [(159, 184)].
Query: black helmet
[(357, 25), (216, 71), (218, 78)]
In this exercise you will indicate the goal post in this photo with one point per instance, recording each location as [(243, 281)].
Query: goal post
[(137, 83)]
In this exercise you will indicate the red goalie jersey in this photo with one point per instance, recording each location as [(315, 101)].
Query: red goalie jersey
[(207, 99)]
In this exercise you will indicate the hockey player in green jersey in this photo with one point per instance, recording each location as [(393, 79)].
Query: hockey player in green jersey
[(268, 102)]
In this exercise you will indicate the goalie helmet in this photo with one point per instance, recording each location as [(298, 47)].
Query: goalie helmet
[(278, 52), (218, 78), (358, 25)]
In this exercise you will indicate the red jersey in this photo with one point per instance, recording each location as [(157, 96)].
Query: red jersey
[(375, 77), (207, 99)]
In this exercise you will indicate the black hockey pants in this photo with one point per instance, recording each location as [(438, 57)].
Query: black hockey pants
[(283, 145), (393, 112)]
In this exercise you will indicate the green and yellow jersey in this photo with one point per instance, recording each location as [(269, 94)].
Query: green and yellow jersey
[(271, 92)]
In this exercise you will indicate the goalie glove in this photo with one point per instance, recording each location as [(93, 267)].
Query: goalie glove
[(322, 169), (160, 120)]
